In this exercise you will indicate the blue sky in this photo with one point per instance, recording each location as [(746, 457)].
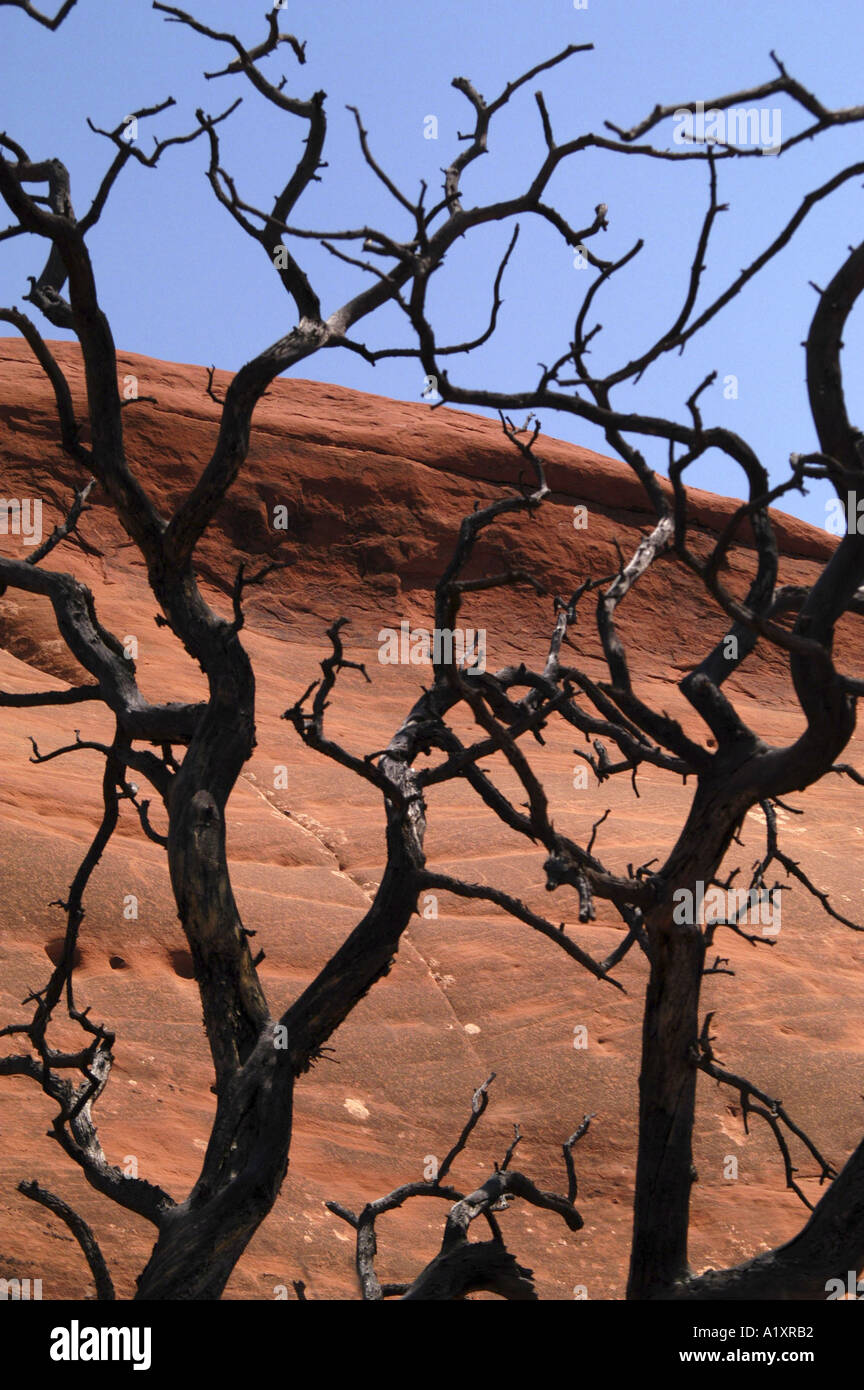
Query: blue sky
[(181, 281)]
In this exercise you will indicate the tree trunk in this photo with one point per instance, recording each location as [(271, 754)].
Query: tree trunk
[(667, 1095), (202, 1239), (670, 1031)]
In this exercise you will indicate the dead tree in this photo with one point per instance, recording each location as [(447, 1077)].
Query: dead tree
[(462, 1267), (47, 21), (192, 754)]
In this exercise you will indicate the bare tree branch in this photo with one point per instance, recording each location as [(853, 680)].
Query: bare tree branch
[(40, 18), (80, 1230)]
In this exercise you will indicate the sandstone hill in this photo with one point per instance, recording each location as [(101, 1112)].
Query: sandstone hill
[(372, 492)]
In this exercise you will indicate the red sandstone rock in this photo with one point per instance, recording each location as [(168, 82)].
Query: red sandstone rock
[(374, 490)]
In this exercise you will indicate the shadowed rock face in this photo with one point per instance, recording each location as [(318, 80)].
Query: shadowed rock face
[(371, 493)]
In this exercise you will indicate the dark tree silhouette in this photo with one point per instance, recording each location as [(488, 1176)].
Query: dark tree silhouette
[(40, 18), (462, 1266), (192, 754)]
